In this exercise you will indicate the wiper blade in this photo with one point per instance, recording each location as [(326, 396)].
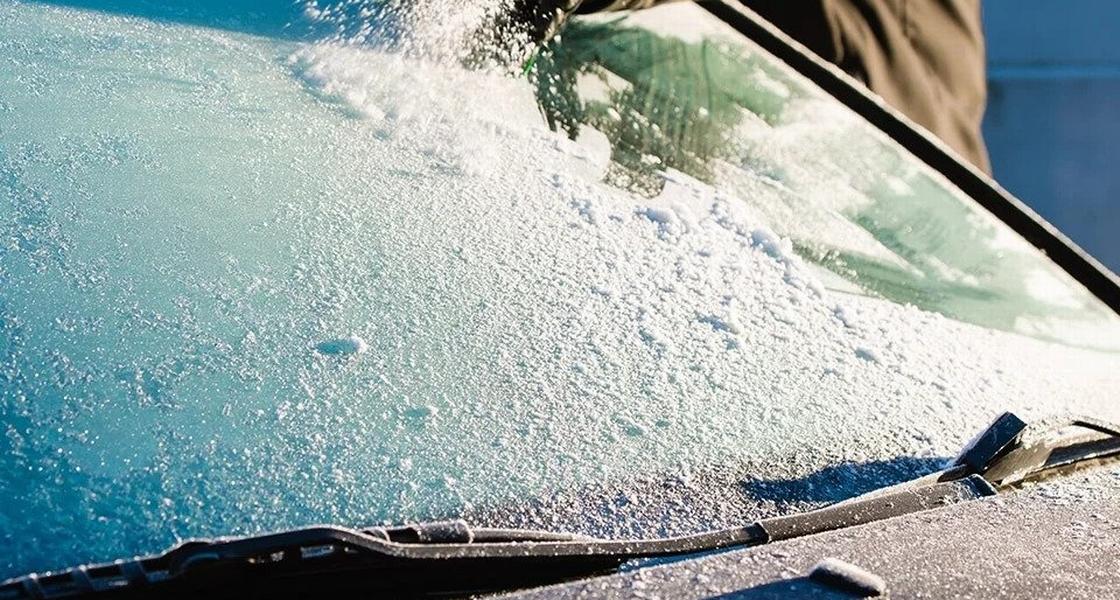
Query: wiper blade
[(452, 558), (433, 559), (1009, 453), (420, 560)]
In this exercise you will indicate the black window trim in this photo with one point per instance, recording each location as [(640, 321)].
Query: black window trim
[(1088, 271)]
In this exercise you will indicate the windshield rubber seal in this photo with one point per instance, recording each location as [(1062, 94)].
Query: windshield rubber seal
[(985, 191)]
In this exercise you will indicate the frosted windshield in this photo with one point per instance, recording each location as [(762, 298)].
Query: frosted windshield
[(253, 282)]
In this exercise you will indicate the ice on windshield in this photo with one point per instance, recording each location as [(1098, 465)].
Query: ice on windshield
[(252, 282)]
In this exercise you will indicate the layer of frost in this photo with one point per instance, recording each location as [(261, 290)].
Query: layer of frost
[(199, 208)]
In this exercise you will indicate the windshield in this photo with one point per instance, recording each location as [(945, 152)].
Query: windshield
[(653, 283)]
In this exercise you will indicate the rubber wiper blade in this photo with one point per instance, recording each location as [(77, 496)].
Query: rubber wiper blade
[(448, 558), (435, 559), (1010, 452)]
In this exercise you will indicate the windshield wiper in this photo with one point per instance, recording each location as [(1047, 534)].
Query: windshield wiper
[(1008, 453), (452, 558), (435, 559)]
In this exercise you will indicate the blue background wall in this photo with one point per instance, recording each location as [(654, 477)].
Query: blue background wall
[(1053, 121)]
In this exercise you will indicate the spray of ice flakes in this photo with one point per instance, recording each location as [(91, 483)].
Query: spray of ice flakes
[(428, 74), (476, 32)]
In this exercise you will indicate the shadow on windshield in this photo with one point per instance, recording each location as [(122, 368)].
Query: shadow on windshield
[(843, 481), (707, 499), (797, 587)]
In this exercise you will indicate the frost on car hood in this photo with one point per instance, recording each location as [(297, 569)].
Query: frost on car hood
[(247, 284)]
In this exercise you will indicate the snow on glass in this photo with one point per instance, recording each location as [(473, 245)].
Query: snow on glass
[(253, 282)]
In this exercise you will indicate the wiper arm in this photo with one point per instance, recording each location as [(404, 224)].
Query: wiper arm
[(452, 558), (1008, 453)]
